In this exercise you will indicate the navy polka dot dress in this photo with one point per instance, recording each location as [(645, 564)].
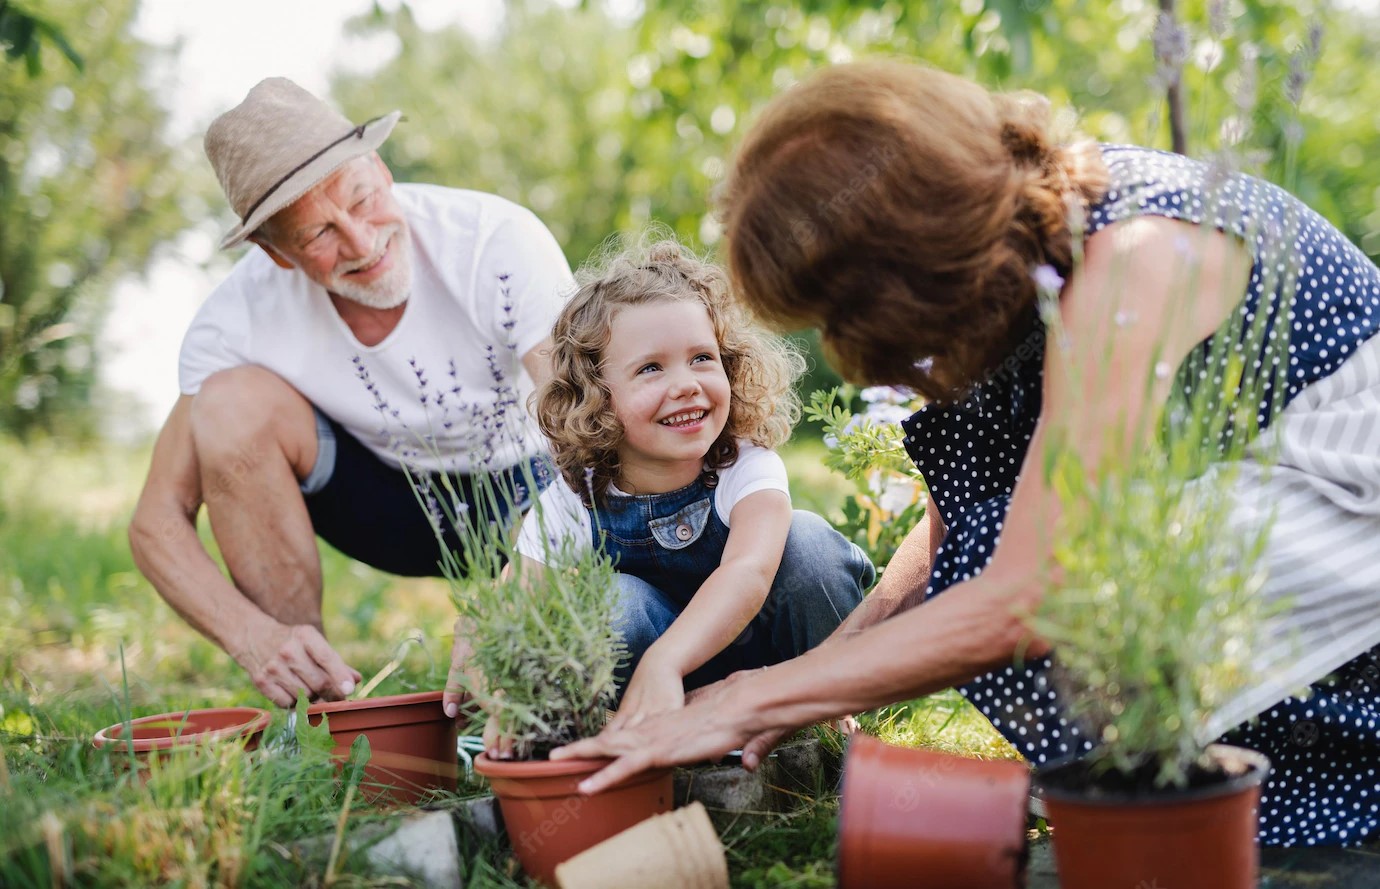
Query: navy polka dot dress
[(1325, 749)]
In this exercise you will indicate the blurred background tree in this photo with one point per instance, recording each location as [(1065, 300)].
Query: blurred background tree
[(88, 188), (604, 115), (603, 118)]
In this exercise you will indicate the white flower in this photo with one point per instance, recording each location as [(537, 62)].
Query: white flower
[(887, 395), (886, 414), (1047, 279)]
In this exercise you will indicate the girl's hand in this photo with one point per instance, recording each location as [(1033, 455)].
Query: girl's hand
[(496, 746), (654, 688)]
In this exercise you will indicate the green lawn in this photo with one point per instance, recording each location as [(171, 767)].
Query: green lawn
[(84, 641)]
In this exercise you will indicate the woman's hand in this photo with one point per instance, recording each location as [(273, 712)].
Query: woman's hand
[(707, 727), (654, 688)]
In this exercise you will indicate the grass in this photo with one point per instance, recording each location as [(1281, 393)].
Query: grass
[(85, 642)]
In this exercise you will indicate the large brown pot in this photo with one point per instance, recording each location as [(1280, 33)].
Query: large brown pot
[(1201, 837), (153, 736), (916, 815), (549, 821), (411, 744)]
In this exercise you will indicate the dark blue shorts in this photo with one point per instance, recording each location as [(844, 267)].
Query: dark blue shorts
[(367, 509)]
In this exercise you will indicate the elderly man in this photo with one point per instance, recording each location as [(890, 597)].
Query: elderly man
[(375, 326)]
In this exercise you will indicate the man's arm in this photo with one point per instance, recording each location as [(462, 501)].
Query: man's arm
[(163, 539)]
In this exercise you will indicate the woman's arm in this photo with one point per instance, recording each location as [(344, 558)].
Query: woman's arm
[(1150, 289), (724, 604)]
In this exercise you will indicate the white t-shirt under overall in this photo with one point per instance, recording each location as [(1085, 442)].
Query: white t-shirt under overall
[(560, 514), (488, 280)]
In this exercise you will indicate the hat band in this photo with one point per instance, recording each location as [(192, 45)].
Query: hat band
[(356, 133)]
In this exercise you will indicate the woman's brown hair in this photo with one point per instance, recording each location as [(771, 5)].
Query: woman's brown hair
[(575, 407), (902, 211)]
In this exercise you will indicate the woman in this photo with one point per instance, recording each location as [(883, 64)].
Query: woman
[(914, 217)]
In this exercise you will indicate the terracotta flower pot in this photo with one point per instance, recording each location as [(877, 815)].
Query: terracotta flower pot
[(904, 814), (549, 821), (153, 736), (1200, 837), (411, 744)]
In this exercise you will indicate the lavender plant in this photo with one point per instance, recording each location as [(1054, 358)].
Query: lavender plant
[(1155, 606), (543, 646)]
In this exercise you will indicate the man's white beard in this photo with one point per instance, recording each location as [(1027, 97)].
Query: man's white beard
[(394, 287)]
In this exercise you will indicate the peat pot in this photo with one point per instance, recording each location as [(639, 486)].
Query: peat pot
[(152, 736), (680, 849), (411, 744), (957, 821), (549, 821), (1198, 837)]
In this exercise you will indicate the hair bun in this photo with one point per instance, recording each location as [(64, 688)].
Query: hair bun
[(1024, 122)]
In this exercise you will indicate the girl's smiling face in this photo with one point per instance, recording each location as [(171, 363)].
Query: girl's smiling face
[(670, 393)]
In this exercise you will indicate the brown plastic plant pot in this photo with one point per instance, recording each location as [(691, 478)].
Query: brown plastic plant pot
[(154, 736), (957, 821), (1201, 837), (549, 821), (411, 744)]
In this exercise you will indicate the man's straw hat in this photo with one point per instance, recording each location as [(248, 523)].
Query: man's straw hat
[(270, 149)]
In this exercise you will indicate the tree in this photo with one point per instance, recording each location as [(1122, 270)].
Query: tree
[(22, 35), (88, 188)]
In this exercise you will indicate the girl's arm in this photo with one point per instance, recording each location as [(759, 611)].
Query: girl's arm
[(1149, 291), (725, 603)]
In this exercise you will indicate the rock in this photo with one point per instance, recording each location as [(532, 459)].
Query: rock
[(423, 847), (803, 768), (480, 816)]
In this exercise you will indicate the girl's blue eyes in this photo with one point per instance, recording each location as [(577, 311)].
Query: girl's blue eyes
[(703, 356)]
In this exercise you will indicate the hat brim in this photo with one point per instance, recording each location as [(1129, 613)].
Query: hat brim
[(312, 174)]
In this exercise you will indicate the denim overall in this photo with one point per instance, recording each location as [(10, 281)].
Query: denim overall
[(665, 546)]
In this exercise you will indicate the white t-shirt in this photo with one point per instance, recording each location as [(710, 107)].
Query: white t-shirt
[(559, 514), (427, 392)]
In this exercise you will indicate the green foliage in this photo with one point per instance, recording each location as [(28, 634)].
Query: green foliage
[(888, 499), (22, 35), (88, 188), (1155, 606), (543, 638), (603, 122), (544, 649), (1156, 613)]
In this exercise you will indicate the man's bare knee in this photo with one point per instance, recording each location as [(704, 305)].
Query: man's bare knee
[(246, 414)]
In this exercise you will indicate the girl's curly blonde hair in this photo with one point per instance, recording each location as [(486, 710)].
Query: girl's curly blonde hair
[(575, 408)]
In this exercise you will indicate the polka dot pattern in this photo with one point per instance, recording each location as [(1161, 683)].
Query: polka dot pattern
[(1313, 297)]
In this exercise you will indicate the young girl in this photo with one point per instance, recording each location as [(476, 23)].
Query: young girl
[(663, 407)]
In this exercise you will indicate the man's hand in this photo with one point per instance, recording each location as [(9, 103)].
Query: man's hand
[(282, 660), (454, 697)]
